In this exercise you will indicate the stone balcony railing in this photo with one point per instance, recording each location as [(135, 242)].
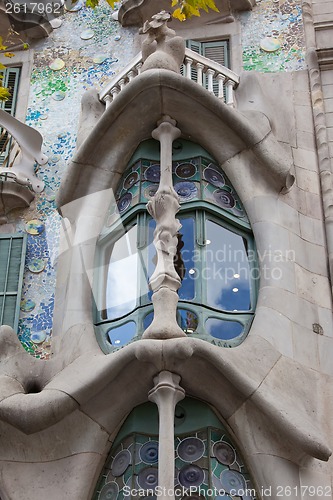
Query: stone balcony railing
[(9, 149), (20, 152), (214, 77)]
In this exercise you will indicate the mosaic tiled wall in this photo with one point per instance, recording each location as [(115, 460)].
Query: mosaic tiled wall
[(89, 47), (272, 36)]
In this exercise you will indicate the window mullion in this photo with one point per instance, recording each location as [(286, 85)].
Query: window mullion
[(199, 254), (139, 245), (253, 272)]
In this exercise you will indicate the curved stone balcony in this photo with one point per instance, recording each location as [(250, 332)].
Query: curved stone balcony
[(20, 150)]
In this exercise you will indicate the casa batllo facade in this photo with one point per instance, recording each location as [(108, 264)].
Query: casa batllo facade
[(166, 252)]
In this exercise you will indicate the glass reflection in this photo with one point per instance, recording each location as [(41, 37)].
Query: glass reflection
[(186, 290), (148, 320), (228, 270), (223, 330), (122, 276), (122, 334), (152, 258), (184, 262), (187, 320)]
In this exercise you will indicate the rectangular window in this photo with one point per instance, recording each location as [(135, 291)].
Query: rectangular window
[(12, 258), (10, 80), (216, 51)]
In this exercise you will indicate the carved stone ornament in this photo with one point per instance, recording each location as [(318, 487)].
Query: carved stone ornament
[(13, 195), (162, 49), (166, 393), (30, 143), (165, 280)]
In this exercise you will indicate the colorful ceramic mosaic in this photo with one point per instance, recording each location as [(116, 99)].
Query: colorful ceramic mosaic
[(83, 52), (273, 36)]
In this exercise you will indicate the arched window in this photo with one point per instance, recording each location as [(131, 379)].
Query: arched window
[(215, 255), (206, 459)]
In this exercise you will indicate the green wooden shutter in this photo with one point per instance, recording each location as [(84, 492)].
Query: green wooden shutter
[(11, 78), (12, 258), (216, 51)]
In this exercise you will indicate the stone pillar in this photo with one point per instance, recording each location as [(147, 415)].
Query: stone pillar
[(163, 207), (166, 394)]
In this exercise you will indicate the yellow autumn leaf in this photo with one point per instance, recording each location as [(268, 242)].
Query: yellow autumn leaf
[(191, 11), (211, 5), (4, 94), (174, 3), (2, 47), (9, 54), (111, 2), (2, 66), (178, 14)]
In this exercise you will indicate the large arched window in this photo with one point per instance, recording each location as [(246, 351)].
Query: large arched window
[(215, 258), (207, 463)]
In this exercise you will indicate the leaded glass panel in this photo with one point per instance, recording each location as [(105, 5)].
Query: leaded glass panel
[(207, 464)]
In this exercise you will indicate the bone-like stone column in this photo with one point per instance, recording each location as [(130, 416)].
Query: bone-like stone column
[(166, 394), (163, 207)]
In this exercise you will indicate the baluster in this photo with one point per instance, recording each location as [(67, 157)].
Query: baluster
[(114, 92), (221, 79), (210, 73), (188, 62), (200, 68), (108, 100), (138, 67), (230, 92), (121, 83), (130, 75)]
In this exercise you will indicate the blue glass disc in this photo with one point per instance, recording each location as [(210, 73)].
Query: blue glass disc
[(191, 475), (149, 452), (186, 190)]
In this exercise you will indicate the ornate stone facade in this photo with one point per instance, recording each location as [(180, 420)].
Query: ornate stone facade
[(60, 416)]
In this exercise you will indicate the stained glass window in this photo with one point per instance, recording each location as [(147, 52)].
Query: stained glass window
[(206, 459), (216, 258)]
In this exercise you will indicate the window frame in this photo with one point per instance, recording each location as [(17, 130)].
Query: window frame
[(20, 274), (200, 209)]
